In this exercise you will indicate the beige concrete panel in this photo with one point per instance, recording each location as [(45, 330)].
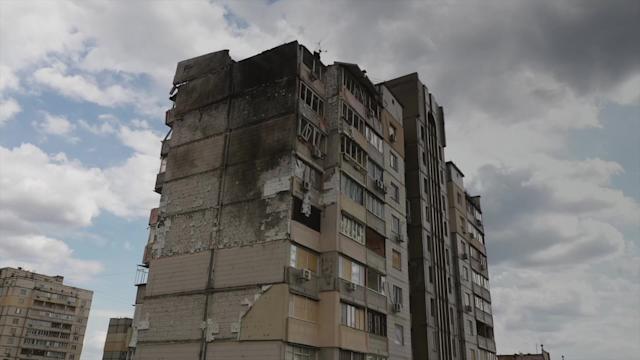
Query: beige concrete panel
[(353, 208), (266, 319), (330, 222), (329, 312), (376, 261), (249, 265), (182, 351), (375, 223), (376, 301), (352, 339), (303, 332), (352, 248), (178, 273), (377, 344), (263, 350), (352, 169), (305, 236)]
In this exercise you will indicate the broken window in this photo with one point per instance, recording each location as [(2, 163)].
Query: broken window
[(375, 205), (310, 218), (360, 93), (311, 99), (395, 192), (313, 63), (374, 139), (376, 323), (376, 281), (352, 189), (352, 118), (353, 152), (310, 133), (375, 242), (352, 228), (306, 172), (163, 164), (374, 170)]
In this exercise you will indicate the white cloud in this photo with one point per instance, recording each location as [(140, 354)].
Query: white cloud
[(54, 125), (48, 256), (82, 88), (8, 109), (8, 80)]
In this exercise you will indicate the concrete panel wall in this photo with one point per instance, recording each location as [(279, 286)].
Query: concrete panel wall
[(178, 274), (266, 350), (192, 193), (266, 319), (173, 318), (247, 265), (265, 140), (194, 157), (255, 221), (187, 233), (200, 123), (183, 351)]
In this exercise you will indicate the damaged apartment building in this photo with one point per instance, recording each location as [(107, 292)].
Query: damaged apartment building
[(292, 222)]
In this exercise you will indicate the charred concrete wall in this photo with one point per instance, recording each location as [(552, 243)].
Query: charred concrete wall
[(223, 228)]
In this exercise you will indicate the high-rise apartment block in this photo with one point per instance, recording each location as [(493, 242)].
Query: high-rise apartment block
[(118, 341), (40, 317), (303, 215)]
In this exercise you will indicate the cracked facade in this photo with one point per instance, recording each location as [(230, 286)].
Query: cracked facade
[(282, 230), (40, 317)]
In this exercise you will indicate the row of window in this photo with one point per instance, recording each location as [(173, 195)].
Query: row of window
[(47, 333), (360, 93), (480, 280), (376, 323), (356, 192), (353, 151), (47, 343), (312, 134), (483, 304), (312, 99)]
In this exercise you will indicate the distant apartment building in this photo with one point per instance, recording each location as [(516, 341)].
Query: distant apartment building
[(40, 317), (303, 215), (470, 258), (118, 340)]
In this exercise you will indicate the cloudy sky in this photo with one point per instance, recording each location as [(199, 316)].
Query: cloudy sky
[(542, 103)]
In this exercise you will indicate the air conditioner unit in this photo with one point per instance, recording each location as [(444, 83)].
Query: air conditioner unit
[(392, 137), (397, 307), (399, 238), (350, 286), (467, 308), (348, 129), (317, 153), (306, 185), (464, 256), (380, 184), (305, 275)]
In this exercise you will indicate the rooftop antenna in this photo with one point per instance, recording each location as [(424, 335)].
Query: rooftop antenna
[(319, 47)]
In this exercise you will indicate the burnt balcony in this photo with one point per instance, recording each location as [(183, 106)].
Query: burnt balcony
[(159, 183)]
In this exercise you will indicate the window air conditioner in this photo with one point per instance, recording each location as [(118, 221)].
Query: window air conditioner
[(305, 275), (467, 308), (306, 185), (464, 256), (399, 238), (392, 137), (397, 307)]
